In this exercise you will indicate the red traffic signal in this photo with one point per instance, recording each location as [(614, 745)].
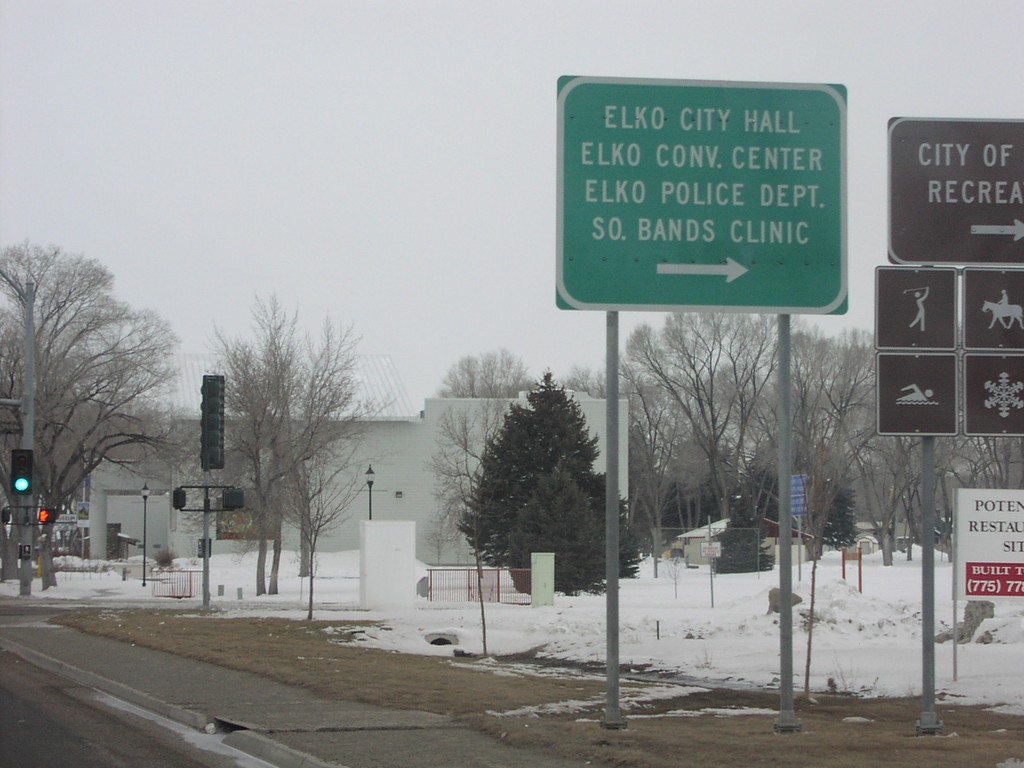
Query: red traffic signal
[(45, 516)]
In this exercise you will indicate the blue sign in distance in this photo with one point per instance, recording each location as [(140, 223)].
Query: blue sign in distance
[(798, 495), (677, 195)]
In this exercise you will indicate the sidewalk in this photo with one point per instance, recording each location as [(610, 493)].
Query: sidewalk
[(286, 726)]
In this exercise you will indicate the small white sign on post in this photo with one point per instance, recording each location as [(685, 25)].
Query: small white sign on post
[(711, 549), (989, 543)]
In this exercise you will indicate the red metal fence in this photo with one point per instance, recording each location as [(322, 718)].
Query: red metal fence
[(461, 585), (173, 583)]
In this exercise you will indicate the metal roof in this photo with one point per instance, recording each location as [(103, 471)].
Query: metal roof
[(376, 375)]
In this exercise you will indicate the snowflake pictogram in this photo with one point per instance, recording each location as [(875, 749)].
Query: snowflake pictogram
[(1004, 394)]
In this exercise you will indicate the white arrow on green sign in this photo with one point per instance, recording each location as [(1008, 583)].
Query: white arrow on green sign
[(680, 195)]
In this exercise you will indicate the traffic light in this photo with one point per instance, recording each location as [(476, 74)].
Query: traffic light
[(232, 498), (45, 516), (211, 453), (178, 499), (21, 471)]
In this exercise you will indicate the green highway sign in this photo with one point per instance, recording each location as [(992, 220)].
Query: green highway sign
[(676, 194)]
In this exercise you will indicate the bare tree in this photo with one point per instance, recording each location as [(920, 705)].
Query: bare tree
[(492, 374), (676, 568), (833, 424), (833, 415), (463, 435), (889, 477), (584, 379), (715, 367), (655, 430), (289, 400), (324, 487), (102, 371)]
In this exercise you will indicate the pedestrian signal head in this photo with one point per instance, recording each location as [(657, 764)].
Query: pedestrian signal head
[(45, 516)]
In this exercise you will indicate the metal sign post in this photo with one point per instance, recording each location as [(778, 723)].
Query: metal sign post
[(929, 722), (917, 395), (613, 716), (956, 196), (787, 721), (681, 195)]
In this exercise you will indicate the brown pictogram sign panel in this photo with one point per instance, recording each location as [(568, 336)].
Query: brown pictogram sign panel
[(994, 395), (917, 393), (994, 309), (915, 308)]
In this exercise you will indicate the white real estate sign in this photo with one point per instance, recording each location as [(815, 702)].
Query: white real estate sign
[(711, 549), (989, 543)]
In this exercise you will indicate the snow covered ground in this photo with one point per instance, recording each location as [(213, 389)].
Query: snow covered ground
[(868, 643)]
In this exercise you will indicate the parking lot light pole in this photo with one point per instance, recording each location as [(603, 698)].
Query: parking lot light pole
[(145, 501), (369, 484)]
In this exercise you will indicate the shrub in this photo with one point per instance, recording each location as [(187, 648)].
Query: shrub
[(165, 557)]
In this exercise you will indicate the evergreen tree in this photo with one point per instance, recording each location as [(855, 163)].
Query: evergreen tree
[(558, 519), (538, 492), (841, 523), (743, 548)]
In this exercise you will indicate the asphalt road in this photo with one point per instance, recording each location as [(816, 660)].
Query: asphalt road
[(48, 721)]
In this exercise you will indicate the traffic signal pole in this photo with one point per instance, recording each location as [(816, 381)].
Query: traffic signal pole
[(28, 431), (206, 540), (211, 456), (21, 515), (232, 498)]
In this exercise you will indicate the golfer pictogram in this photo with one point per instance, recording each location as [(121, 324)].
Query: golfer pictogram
[(920, 295)]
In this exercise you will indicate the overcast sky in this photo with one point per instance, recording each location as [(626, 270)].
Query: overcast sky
[(392, 165)]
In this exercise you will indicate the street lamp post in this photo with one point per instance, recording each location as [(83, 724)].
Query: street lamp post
[(369, 485), (145, 502)]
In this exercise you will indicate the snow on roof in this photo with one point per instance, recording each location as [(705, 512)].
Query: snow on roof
[(702, 533), (377, 378)]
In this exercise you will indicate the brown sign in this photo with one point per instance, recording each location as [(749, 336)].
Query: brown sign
[(994, 309), (956, 191), (915, 308), (917, 393), (994, 395)]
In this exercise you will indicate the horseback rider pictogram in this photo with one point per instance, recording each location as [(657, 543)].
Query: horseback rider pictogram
[(1004, 312)]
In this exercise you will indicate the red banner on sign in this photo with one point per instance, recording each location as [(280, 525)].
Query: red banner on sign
[(994, 580)]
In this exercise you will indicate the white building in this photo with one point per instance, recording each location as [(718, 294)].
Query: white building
[(398, 444)]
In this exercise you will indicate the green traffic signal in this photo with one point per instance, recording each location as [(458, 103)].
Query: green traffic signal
[(21, 471)]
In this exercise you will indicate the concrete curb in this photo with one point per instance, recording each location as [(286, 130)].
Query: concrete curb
[(249, 742), (259, 746)]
